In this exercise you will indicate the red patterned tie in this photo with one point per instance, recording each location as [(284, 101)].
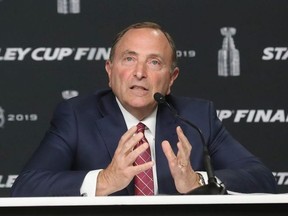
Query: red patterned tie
[(143, 181)]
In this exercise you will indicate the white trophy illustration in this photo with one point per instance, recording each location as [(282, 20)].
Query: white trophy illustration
[(228, 56), (68, 6), (2, 117), (67, 94)]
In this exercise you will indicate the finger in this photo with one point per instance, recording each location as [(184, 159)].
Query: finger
[(127, 135), (184, 146), (133, 154), (131, 143), (128, 140), (143, 167), (183, 139), (136, 153), (168, 151)]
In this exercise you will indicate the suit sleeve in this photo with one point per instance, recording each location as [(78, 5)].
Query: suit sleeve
[(234, 165), (50, 170)]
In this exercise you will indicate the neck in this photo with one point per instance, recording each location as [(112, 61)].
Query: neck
[(138, 113), (141, 114)]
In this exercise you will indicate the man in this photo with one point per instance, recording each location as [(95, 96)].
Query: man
[(91, 150)]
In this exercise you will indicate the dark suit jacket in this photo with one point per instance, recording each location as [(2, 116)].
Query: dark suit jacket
[(84, 134)]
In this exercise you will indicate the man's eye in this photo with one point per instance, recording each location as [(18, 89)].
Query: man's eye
[(129, 58), (155, 62)]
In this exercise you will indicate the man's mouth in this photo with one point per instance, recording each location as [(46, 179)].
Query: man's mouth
[(134, 87)]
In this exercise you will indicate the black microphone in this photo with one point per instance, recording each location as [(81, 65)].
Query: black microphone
[(213, 187)]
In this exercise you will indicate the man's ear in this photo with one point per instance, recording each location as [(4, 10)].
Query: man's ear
[(108, 69), (173, 77)]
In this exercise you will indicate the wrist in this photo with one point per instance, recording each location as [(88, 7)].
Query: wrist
[(103, 188)]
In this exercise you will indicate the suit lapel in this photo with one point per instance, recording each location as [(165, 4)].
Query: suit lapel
[(111, 127), (165, 130)]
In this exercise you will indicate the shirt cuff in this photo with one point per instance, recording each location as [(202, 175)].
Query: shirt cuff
[(88, 187)]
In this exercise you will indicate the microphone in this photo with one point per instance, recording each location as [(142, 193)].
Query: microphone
[(213, 187)]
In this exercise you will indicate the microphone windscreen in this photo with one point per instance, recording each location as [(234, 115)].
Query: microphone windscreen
[(159, 98)]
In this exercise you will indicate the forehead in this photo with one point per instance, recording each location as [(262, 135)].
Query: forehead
[(145, 39), (144, 31)]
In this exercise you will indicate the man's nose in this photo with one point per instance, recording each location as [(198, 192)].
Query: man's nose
[(140, 70)]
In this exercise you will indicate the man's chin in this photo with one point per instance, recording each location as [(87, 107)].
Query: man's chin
[(141, 103)]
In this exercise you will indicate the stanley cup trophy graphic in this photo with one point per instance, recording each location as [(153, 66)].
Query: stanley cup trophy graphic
[(2, 117), (228, 56), (68, 6)]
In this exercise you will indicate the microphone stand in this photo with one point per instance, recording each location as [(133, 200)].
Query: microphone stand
[(213, 187)]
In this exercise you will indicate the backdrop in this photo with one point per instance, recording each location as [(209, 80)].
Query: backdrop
[(232, 52)]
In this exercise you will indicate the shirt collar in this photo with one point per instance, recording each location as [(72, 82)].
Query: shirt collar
[(149, 121)]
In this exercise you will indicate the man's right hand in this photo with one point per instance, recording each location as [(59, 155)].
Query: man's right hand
[(121, 171)]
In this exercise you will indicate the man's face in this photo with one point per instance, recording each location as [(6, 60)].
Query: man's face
[(141, 67)]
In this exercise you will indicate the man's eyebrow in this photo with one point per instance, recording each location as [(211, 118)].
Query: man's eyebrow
[(153, 55), (130, 52)]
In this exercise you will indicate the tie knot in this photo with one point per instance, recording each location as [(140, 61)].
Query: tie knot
[(141, 127)]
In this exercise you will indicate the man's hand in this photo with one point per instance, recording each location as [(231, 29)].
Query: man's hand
[(121, 171), (184, 176)]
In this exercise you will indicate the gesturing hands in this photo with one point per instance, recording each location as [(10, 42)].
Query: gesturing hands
[(121, 171)]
